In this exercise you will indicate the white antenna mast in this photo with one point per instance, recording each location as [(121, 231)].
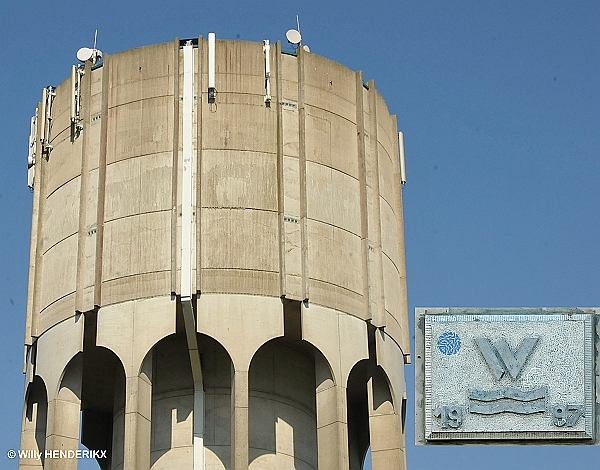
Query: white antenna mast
[(294, 37), (304, 46)]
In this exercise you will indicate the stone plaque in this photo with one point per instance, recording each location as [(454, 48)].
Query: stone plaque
[(505, 374)]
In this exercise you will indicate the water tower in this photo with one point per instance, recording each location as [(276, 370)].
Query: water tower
[(217, 273)]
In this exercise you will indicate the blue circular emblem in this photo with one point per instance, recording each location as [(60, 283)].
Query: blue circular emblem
[(448, 343)]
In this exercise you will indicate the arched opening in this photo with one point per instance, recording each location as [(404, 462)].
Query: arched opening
[(283, 379), (63, 433), (33, 435), (167, 369), (216, 374), (172, 402), (102, 406), (102, 402), (358, 414), (387, 435)]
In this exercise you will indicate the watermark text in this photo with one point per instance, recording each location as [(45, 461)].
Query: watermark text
[(56, 454)]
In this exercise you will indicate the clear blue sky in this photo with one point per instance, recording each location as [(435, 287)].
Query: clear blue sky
[(500, 105)]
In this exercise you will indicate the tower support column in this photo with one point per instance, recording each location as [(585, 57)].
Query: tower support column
[(332, 427), (239, 419), (384, 428), (64, 418), (138, 408)]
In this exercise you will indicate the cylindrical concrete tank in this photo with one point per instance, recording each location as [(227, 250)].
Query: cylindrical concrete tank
[(216, 283)]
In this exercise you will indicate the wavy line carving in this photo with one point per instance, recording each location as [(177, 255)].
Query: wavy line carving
[(508, 406), (509, 392), (508, 400)]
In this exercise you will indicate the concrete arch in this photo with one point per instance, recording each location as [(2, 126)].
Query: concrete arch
[(389, 355), (56, 347), (383, 392), (146, 320), (204, 338), (240, 323), (325, 376), (341, 338)]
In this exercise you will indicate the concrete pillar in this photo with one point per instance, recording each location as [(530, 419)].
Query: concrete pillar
[(138, 405), (384, 426), (332, 427), (62, 433), (239, 419)]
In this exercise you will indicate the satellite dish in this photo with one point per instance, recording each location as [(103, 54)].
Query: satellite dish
[(306, 48), (293, 36), (85, 53)]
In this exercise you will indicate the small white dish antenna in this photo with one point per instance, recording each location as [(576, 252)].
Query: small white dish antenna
[(85, 53), (293, 36), (306, 48)]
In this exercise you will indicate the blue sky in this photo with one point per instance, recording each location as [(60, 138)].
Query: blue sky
[(500, 105)]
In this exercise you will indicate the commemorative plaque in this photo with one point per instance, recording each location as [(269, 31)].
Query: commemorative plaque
[(516, 375)]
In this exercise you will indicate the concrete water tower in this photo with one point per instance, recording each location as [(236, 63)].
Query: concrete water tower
[(217, 275)]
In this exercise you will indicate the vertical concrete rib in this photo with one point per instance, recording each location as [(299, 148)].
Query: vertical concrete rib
[(85, 94), (362, 176), (102, 180), (34, 248), (401, 253), (198, 177), (378, 315), (280, 175), (302, 162), (174, 176)]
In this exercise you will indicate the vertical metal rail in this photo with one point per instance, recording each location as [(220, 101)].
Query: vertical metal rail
[(402, 161), (211, 68), (267, 51)]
